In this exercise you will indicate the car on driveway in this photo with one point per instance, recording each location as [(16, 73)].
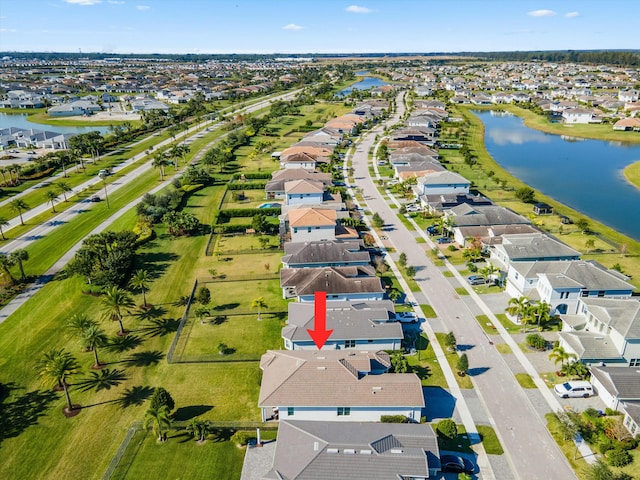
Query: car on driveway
[(406, 317), (442, 240), (476, 280), (456, 464), (432, 229), (575, 389)]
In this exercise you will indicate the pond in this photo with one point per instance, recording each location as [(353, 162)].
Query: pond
[(19, 120), (584, 174), (364, 84)]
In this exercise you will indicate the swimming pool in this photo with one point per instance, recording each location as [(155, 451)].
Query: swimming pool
[(270, 205)]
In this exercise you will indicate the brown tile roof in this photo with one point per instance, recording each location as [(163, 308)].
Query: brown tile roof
[(312, 217), (333, 280), (303, 186), (335, 378)]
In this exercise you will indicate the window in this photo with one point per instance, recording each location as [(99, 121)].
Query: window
[(585, 293), (344, 411), (349, 344), (634, 362), (601, 293), (290, 411)]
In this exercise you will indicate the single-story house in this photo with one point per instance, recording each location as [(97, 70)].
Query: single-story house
[(336, 385), (325, 254), (356, 325), (307, 450), (340, 283)]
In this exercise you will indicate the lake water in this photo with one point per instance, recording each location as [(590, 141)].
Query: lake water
[(364, 84), (18, 120), (583, 174)]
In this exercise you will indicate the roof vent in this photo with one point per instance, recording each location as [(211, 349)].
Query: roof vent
[(349, 451), (396, 450), (332, 450), (365, 452), (316, 446), (321, 368)]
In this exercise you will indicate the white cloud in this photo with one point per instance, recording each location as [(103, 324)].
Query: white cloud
[(84, 2), (115, 2), (292, 26), (143, 7), (572, 14), (8, 30), (542, 13), (358, 9)]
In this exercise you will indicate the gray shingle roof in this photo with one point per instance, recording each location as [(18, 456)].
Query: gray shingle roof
[(624, 383), (323, 252), (325, 378), (536, 246), (621, 315), (307, 450), (333, 280), (591, 346), (348, 320), (466, 216)]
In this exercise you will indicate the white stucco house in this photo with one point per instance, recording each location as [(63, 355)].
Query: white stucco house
[(336, 385), (442, 183)]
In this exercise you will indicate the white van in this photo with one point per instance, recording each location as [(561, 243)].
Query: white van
[(580, 388)]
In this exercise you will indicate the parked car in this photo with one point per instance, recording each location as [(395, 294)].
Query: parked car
[(95, 199), (432, 229), (575, 389), (406, 317), (476, 280), (442, 240), (104, 173), (454, 463), (412, 207)]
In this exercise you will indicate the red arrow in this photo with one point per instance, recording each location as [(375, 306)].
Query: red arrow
[(320, 334)]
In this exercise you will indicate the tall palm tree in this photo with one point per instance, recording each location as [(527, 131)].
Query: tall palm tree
[(160, 161), (19, 205), (3, 223), (115, 303), (541, 313), (259, 303), (159, 420), (19, 256), (518, 307), (6, 262), (559, 354), (140, 281), (3, 172), (51, 196), (55, 366), (93, 338), (64, 188), (199, 429)]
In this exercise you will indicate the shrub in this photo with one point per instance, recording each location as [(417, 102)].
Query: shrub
[(447, 428), (473, 268), (203, 296), (618, 457), (241, 438), (393, 419), (608, 412), (452, 248), (605, 446), (536, 341)]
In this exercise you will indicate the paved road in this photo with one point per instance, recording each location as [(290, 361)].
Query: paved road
[(530, 449), (64, 217)]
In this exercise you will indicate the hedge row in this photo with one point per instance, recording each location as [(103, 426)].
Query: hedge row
[(247, 186), (254, 175), (249, 212)]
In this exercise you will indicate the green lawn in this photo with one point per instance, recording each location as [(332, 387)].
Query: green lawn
[(632, 173), (426, 366), (428, 311), (490, 440), (525, 380), (486, 324), (452, 358), (179, 458), (460, 443)]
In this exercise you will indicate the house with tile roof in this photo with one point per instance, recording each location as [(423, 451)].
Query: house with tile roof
[(303, 192), (464, 216), (307, 450), (309, 224), (604, 331), (340, 283), (275, 188), (325, 254), (443, 182), (336, 385), (356, 325), (618, 387), (563, 283)]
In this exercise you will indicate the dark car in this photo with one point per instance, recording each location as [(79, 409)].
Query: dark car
[(454, 463), (432, 229), (95, 199), (443, 240)]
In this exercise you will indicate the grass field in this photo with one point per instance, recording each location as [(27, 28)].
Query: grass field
[(490, 440), (426, 366), (632, 174)]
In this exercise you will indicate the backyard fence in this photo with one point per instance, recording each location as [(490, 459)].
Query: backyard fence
[(117, 458), (183, 320)]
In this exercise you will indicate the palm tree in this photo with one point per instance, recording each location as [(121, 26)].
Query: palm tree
[(78, 324), (19, 205), (140, 281), (3, 172), (199, 429), (64, 188), (51, 196), (541, 313), (6, 262), (259, 303), (159, 420), (55, 366), (159, 161), (93, 338), (115, 303), (518, 308), (19, 256), (559, 354), (3, 223)]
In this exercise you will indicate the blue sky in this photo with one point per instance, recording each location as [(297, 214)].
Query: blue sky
[(328, 26)]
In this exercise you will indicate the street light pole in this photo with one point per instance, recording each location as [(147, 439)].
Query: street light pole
[(104, 183)]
